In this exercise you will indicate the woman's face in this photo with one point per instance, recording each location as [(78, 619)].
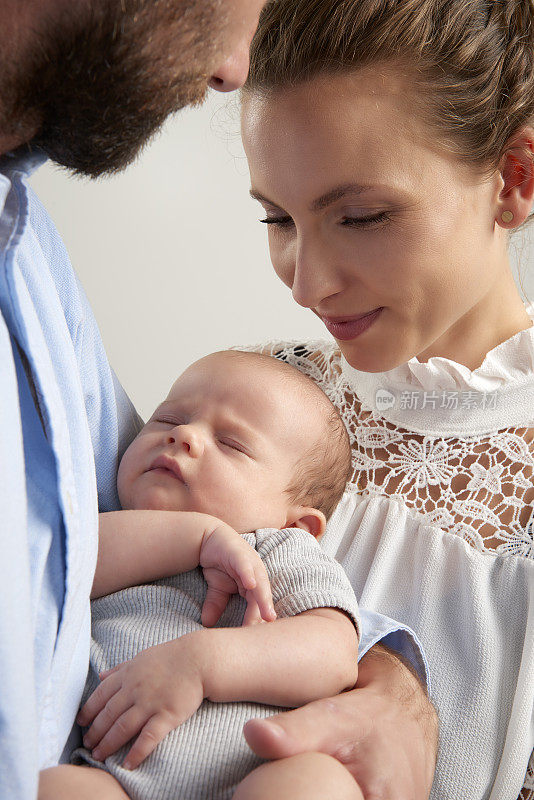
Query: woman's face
[(368, 216)]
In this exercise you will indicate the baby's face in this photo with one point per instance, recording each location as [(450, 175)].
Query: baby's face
[(225, 442)]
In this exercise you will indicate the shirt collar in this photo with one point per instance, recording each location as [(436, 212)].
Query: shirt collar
[(25, 159)]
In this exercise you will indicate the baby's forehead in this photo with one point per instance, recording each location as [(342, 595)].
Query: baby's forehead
[(227, 366), (252, 377)]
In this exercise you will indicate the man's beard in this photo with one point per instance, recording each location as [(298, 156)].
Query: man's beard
[(99, 84)]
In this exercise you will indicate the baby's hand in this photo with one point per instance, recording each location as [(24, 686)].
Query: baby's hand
[(231, 565), (153, 693)]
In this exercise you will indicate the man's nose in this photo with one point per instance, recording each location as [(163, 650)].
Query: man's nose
[(188, 438), (315, 275), (232, 73)]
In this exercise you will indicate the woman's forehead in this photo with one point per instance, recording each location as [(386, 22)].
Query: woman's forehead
[(311, 120), (340, 130), (345, 98)]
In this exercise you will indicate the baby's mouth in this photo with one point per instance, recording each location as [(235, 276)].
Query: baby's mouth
[(167, 464)]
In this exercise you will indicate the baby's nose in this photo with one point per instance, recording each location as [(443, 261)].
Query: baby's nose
[(189, 438)]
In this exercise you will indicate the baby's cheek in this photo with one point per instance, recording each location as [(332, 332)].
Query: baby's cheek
[(126, 477)]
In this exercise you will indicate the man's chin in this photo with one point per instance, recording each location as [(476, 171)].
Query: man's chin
[(89, 150), (98, 85)]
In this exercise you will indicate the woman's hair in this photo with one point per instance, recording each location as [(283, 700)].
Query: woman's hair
[(470, 62)]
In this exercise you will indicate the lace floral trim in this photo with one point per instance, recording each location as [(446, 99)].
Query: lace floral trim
[(479, 488)]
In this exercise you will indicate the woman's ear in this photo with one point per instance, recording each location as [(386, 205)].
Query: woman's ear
[(517, 172), (309, 519)]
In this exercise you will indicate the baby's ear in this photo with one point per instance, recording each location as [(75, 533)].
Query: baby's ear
[(309, 519)]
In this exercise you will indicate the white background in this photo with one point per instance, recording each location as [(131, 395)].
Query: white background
[(173, 258)]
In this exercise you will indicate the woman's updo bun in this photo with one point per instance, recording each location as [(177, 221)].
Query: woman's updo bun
[(470, 62)]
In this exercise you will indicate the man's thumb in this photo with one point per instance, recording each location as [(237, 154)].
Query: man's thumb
[(282, 736)]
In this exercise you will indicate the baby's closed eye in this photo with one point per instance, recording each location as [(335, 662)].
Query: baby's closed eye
[(232, 444)]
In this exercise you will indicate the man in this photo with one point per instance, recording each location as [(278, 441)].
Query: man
[(87, 83)]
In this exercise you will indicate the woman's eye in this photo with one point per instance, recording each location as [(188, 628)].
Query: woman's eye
[(347, 222), (280, 222), (365, 222)]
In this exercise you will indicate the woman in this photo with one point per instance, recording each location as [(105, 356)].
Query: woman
[(390, 143)]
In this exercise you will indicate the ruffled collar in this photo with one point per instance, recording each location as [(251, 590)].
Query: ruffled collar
[(444, 397)]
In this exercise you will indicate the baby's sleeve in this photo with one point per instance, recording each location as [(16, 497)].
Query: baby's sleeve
[(303, 576)]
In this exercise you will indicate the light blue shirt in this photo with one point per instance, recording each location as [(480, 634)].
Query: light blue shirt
[(62, 431)]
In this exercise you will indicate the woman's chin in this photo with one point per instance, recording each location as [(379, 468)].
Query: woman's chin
[(371, 359)]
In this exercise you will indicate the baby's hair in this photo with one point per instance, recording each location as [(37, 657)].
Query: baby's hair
[(321, 475), (471, 62)]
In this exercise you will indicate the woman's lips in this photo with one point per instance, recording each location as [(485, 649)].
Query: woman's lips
[(345, 328)]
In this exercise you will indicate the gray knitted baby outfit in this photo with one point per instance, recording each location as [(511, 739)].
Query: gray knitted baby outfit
[(207, 756)]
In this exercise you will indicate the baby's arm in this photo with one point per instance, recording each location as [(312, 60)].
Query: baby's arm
[(141, 546), (310, 652), (136, 547), (287, 662)]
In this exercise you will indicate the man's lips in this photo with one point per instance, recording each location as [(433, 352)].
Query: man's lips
[(346, 328), (168, 464)]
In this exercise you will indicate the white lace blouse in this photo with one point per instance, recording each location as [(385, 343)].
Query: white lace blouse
[(436, 531)]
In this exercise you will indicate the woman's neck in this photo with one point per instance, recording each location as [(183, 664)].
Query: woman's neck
[(498, 316)]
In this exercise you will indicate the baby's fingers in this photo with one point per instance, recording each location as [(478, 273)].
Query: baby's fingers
[(253, 580), (106, 672), (156, 729), (263, 595), (242, 569), (123, 729), (252, 612), (214, 604), (98, 699), (106, 719)]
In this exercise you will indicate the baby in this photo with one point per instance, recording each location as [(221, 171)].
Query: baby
[(242, 443)]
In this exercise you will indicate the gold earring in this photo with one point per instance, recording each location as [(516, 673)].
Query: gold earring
[(507, 216)]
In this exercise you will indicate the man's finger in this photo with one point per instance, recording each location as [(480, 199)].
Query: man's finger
[(383, 745), (322, 726)]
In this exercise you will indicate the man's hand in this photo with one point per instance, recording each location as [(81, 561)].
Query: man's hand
[(151, 695), (384, 731), (231, 565)]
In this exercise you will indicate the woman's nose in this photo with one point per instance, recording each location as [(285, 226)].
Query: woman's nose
[(315, 275), (189, 438)]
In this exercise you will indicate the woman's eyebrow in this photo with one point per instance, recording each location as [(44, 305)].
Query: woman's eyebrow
[(325, 200), (261, 199), (337, 193)]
